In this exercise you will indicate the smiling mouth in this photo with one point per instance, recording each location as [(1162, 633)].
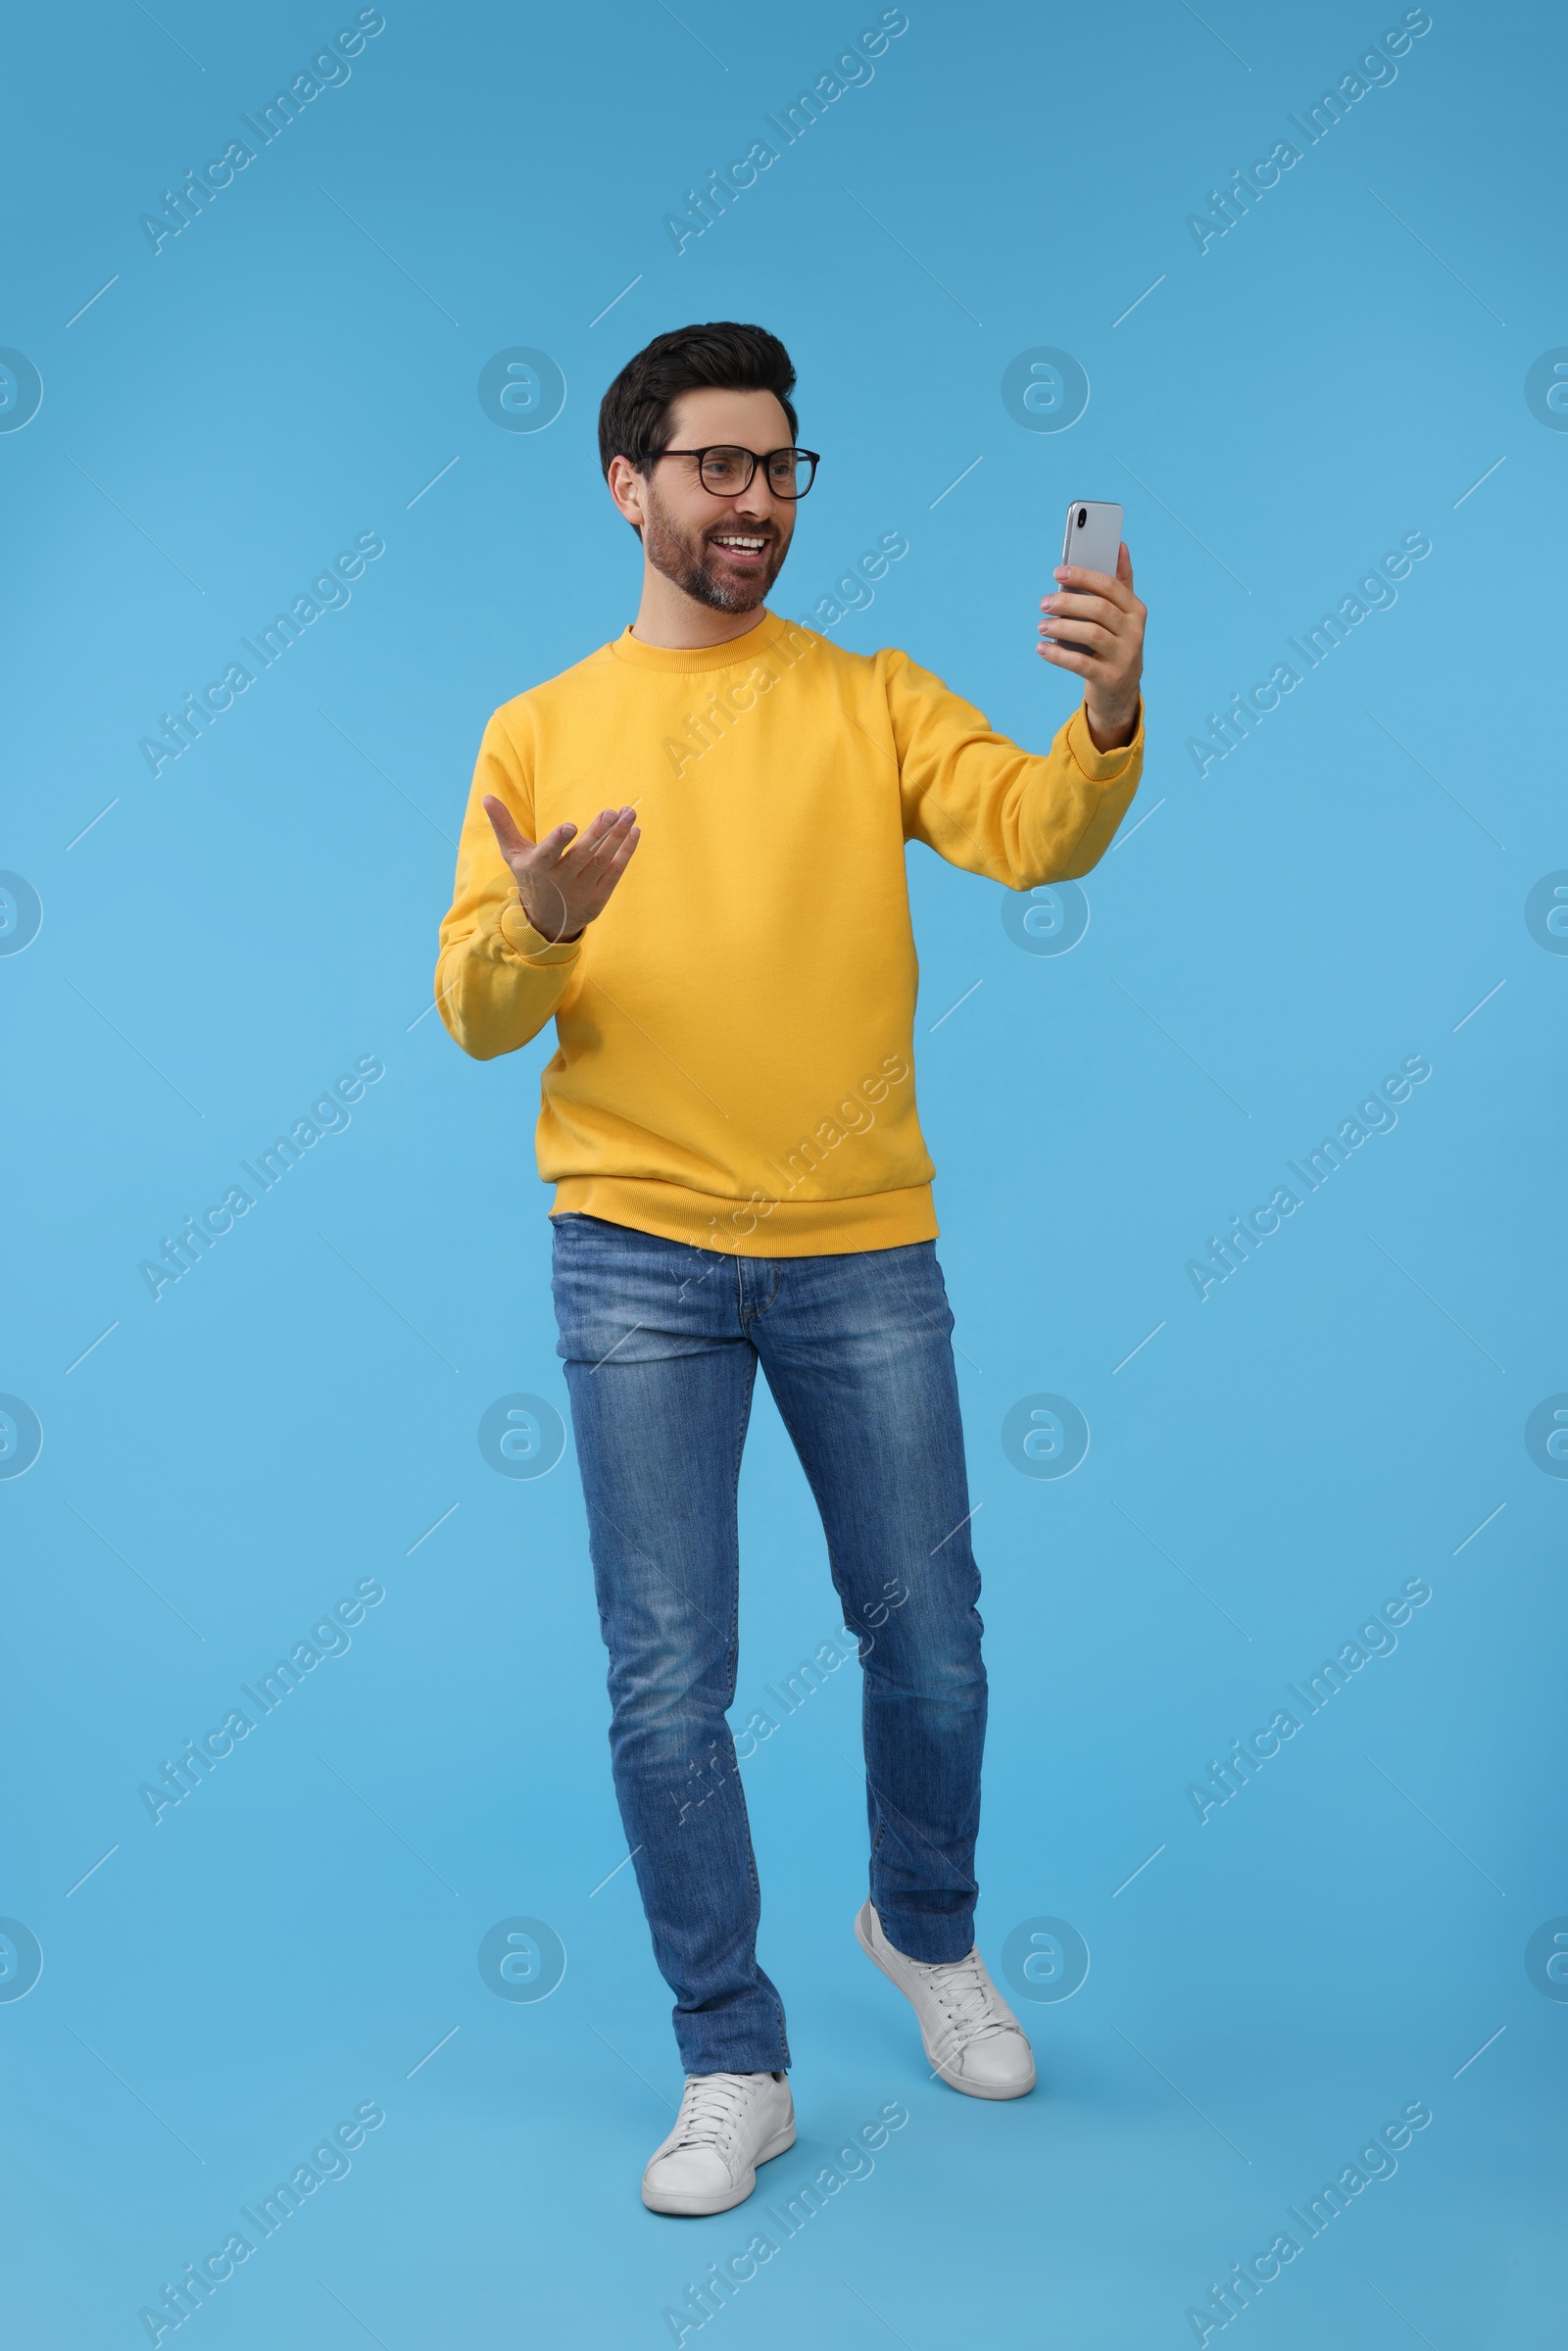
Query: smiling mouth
[(741, 547)]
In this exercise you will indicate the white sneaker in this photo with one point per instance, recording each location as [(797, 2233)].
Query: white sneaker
[(972, 2036), (728, 2123)]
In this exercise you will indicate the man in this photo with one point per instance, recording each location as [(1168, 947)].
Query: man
[(729, 1121)]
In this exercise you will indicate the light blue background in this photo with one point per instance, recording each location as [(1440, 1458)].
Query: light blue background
[(1337, 1417)]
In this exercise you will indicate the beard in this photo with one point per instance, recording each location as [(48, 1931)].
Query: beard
[(689, 559)]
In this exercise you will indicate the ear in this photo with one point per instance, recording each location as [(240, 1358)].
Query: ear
[(629, 488)]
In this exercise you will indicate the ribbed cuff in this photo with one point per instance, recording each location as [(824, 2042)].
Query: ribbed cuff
[(1102, 766), (533, 946)]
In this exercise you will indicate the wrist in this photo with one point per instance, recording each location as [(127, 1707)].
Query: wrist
[(1112, 725), (547, 930)]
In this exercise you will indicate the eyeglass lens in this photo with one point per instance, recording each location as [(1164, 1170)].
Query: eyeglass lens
[(728, 471)]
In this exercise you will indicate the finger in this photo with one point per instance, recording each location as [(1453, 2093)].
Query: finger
[(1085, 607), (1092, 583), (610, 821), (618, 862), (594, 832), (607, 877), (601, 841), (1124, 565), (552, 849), (1087, 634), (509, 840), (1064, 657)]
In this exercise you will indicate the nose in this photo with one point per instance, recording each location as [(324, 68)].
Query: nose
[(757, 502)]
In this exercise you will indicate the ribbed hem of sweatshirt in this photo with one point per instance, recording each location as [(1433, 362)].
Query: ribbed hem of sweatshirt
[(828, 1228)]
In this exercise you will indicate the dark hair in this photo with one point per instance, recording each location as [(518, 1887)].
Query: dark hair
[(634, 416)]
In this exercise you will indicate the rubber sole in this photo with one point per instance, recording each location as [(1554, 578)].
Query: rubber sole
[(698, 2208), (970, 2090)]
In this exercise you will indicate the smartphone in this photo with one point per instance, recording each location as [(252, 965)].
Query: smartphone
[(1093, 537)]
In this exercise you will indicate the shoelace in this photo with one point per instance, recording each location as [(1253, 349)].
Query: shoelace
[(967, 1997), (710, 2110)]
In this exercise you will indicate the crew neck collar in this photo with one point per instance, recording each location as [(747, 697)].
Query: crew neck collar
[(687, 660)]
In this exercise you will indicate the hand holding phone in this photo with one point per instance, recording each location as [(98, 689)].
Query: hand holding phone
[(1092, 539), (1098, 633)]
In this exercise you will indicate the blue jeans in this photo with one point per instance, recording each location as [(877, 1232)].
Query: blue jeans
[(661, 1342)]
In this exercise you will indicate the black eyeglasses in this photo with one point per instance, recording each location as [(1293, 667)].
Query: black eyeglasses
[(727, 471)]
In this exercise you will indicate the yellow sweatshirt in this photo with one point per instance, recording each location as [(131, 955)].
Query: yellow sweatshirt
[(735, 1060)]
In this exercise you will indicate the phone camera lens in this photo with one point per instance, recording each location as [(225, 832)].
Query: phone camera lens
[(1082, 516)]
